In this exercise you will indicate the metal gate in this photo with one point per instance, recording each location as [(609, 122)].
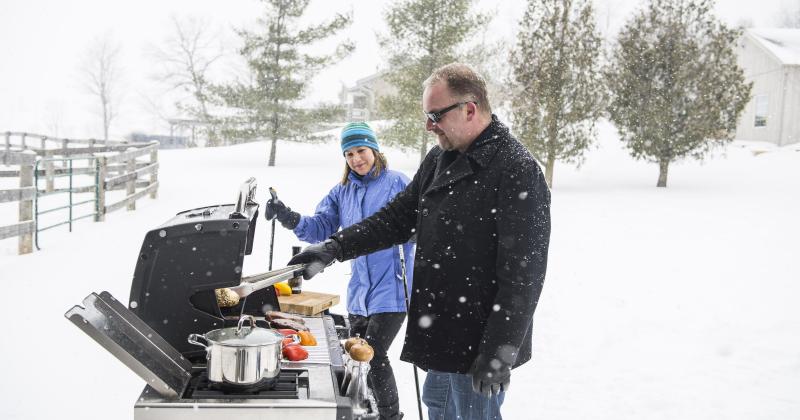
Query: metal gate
[(66, 171)]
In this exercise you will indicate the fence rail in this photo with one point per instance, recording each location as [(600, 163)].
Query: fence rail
[(112, 165), (20, 229)]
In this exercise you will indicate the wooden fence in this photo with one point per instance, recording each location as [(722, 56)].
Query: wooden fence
[(25, 195), (114, 166)]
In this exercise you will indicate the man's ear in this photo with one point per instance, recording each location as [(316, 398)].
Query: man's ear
[(472, 110)]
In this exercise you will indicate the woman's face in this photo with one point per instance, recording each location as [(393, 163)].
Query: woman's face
[(360, 159)]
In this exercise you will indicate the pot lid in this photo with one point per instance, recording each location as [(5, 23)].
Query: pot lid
[(242, 336)]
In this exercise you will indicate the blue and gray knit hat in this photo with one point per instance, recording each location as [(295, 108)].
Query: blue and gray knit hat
[(358, 134)]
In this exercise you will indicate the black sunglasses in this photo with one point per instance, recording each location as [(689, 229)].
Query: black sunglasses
[(436, 116)]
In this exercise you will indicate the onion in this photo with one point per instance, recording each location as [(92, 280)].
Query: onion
[(362, 352), (350, 342)]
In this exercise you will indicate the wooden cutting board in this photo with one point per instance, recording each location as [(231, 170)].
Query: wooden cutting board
[(307, 303)]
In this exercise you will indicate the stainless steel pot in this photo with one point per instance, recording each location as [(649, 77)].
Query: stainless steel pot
[(241, 355)]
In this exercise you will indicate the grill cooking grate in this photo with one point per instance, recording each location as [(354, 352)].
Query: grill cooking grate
[(286, 387)]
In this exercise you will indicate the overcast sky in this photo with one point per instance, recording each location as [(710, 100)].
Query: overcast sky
[(44, 42)]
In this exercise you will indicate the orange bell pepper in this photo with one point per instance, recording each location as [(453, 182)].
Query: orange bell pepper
[(307, 339)]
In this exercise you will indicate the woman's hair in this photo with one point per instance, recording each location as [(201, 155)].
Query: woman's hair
[(379, 166)]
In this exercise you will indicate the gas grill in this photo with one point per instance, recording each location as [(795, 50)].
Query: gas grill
[(179, 266)]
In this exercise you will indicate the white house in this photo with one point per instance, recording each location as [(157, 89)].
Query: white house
[(361, 100), (770, 58)]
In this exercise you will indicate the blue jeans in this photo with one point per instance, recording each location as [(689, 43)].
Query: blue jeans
[(449, 396)]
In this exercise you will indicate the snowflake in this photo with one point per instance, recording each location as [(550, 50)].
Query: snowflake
[(425, 321)]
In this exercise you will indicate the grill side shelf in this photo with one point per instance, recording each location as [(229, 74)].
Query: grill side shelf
[(133, 342)]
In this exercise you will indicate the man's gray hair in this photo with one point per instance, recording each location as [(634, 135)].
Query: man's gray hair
[(463, 82)]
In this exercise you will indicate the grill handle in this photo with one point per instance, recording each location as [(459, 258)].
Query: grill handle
[(247, 193)]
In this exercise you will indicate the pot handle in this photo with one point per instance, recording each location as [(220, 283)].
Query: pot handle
[(194, 337), (244, 318)]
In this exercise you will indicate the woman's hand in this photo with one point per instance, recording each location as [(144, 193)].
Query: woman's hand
[(276, 209)]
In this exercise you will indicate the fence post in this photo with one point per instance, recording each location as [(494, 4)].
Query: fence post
[(130, 186), (26, 206), (23, 141), (49, 172), (91, 151), (102, 170), (8, 141), (64, 145), (154, 173)]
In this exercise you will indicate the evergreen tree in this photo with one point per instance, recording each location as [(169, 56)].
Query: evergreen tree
[(676, 88), (556, 79), (267, 104), (423, 35)]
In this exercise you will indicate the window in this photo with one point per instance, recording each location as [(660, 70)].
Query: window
[(360, 102), (762, 105)]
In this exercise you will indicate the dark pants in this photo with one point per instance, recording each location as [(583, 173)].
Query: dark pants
[(379, 330)]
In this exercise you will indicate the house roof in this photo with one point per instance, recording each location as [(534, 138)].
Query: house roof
[(784, 43)]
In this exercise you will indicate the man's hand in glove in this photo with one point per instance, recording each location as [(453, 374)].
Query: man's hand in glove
[(490, 375), (317, 257), (288, 218)]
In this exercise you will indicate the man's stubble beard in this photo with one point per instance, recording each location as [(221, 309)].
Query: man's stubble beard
[(444, 141)]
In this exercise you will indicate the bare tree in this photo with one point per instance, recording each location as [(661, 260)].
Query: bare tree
[(790, 15), (186, 58), (102, 76), (54, 118)]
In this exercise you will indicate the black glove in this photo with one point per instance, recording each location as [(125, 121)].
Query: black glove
[(317, 257), (490, 375), (288, 218)]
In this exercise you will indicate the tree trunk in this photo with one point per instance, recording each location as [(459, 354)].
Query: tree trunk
[(272, 148), (105, 122), (663, 166), (548, 169)]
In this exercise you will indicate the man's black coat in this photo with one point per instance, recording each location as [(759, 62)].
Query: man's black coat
[(482, 220)]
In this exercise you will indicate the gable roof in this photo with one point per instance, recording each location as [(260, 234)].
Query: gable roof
[(783, 43)]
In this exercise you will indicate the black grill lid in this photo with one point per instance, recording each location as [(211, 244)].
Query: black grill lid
[(184, 260)]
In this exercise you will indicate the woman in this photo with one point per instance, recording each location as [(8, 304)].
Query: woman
[(375, 297)]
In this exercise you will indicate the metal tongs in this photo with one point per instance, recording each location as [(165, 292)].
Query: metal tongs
[(257, 282)]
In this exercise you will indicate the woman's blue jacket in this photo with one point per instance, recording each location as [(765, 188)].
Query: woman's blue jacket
[(376, 284)]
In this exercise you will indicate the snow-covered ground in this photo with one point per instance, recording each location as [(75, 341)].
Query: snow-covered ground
[(677, 303)]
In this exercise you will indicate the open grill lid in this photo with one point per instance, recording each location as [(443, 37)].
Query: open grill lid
[(181, 263)]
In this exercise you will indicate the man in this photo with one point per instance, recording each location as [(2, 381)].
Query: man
[(480, 208)]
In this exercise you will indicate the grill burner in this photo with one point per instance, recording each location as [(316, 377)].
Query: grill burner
[(285, 387)]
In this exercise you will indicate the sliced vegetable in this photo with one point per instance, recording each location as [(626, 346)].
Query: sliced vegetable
[(307, 339), (287, 323), (283, 289), (295, 352), (274, 315)]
